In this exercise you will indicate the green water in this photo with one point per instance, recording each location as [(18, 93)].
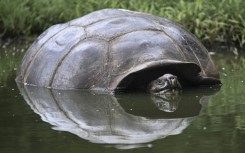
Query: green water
[(43, 120)]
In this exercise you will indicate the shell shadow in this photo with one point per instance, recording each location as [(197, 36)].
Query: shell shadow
[(123, 121)]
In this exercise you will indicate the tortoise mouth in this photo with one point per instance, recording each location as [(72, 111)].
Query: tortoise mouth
[(139, 77)]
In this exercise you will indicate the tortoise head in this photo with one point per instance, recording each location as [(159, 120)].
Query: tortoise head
[(166, 84)]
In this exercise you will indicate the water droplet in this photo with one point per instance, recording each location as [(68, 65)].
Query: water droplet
[(149, 145)]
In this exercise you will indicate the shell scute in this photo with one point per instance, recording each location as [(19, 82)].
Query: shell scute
[(114, 27), (42, 68)]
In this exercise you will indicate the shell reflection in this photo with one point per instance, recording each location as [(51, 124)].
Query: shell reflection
[(124, 121)]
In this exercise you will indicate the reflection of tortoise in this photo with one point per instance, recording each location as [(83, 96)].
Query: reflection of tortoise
[(113, 49), (107, 119)]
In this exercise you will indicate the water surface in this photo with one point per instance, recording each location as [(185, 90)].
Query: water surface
[(44, 120)]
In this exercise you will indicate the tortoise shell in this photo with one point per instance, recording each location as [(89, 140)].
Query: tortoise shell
[(111, 49)]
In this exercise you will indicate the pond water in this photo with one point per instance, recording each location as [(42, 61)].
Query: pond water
[(41, 120)]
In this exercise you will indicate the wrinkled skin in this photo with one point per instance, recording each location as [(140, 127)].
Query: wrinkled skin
[(167, 84), (166, 92), (167, 102)]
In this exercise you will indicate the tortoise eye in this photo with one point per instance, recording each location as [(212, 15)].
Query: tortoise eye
[(160, 82)]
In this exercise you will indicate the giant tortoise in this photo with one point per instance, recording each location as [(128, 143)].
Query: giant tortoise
[(114, 49)]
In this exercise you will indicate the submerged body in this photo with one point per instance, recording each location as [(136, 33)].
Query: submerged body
[(116, 49)]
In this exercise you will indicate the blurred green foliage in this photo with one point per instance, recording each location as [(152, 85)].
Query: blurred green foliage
[(10, 58), (212, 21)]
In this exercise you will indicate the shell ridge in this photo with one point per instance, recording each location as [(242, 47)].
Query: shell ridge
[(118, 16), (109, 67), (63, 58), (130, 27), (193, 52), (28, 96), (74, 25), (37, 52), (105, 72), (144, 29), (66, 113), (176, 45), (196, 58)]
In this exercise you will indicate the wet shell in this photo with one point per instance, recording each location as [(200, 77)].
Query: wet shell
[(111, 49)]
